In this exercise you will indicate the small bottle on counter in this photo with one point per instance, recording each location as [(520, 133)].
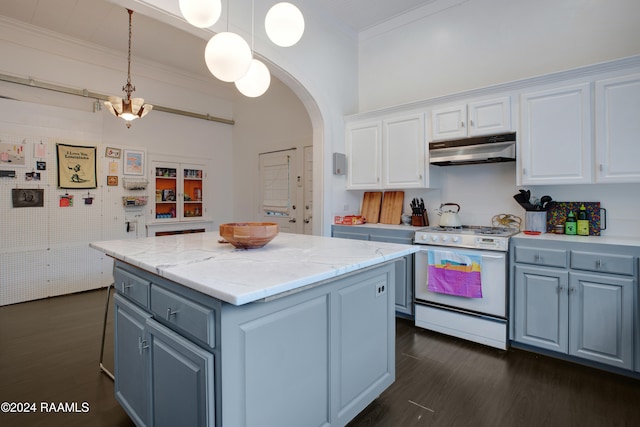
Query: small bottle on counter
[(583, 222), (570, 226)]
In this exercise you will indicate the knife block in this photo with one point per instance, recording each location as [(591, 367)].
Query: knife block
[(420, 220)]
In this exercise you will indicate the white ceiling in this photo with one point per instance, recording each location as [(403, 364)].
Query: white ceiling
[(94, 21)]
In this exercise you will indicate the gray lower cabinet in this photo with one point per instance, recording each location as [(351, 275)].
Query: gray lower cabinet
[(541, 307), (161, 378), (131, 360), (310, 358), (404, 269), (182, 380), (576, 299)]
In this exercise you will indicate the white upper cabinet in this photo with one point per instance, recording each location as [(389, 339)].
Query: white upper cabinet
[(387, 153), (364, 148), (555, 136), (403, 157), (491, 116), (618, 129)]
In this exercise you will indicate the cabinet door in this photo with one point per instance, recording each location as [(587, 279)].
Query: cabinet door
[(449, 122), (541, 307), (617, 129), (403, 149), (178, 191), (601, 318), (192, 177), (492, 116), (166, 191), (556, 136), (182, 386), (404, 285), (131, 360), (364, 148)]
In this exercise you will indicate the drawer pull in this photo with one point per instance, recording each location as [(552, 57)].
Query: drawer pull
[(170, 313), (125, 287), (598, 264), (142, 345), (537, 258)]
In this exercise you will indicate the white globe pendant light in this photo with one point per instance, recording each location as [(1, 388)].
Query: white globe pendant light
[(256, 81), (201, 13), (228, 56), (284, 24)]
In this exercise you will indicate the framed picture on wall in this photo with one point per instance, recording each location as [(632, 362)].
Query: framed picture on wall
[(76, 166), (133, 162), (114, 153)]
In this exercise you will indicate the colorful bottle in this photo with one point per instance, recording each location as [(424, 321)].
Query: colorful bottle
[(570, 226), (583, 222)]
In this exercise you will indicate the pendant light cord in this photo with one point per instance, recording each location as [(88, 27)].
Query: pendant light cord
[(129, 88)]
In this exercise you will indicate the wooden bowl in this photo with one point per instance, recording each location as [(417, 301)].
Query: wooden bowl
[(248, 235)]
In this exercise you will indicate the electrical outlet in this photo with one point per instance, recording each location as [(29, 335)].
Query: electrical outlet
[(381, 290)]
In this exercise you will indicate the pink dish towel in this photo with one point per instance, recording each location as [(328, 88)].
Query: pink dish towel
[(455, 274)]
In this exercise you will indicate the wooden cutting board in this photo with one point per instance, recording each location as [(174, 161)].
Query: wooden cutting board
[(392, 204), (371, 206)]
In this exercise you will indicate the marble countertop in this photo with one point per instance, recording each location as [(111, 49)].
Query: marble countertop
[(238, 276), (607, 240)]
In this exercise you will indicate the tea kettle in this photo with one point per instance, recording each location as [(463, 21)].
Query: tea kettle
[(448, 216)]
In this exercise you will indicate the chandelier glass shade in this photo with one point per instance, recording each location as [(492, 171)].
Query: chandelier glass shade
[(129, 108), (228, 56), (284, 24), (201, 13), (256, 81)]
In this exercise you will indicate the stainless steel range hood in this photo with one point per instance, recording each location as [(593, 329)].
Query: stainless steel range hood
[(469, 151)]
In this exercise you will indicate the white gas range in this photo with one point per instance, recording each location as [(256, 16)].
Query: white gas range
[(461, 277)]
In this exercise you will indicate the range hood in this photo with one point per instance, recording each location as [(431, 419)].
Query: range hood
[(470, 151)]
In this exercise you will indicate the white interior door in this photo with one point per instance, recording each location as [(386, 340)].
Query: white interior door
[(308, 190), (279, 189)]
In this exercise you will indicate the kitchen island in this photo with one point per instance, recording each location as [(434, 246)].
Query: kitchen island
[(300, 332)]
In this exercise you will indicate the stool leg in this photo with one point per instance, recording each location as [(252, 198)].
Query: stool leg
[(104, 331)]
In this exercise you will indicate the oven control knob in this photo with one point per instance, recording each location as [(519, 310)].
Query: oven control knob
[(444, 239), (434, 238), (423, 237), (455, 239)]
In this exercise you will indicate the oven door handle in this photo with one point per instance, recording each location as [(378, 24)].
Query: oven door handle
[(492, 257)]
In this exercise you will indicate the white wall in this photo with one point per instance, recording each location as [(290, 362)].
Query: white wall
[(261, 127), (48, 253), (478, 43)]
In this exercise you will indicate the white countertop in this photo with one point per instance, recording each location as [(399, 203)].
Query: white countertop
[(238, 276), (607, 240)]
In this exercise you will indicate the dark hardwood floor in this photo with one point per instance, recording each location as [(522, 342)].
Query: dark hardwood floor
[(49, 352)]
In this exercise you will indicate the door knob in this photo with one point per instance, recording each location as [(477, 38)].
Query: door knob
[(292, 220)]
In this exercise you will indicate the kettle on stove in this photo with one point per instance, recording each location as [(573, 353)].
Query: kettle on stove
[(449, 215)]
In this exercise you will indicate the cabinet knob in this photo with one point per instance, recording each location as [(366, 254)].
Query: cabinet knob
[(461, 124), (598, 264), (470, 122), (171, 313)]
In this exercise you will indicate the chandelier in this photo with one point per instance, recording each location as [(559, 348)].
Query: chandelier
[(228, 56), (128, 109)]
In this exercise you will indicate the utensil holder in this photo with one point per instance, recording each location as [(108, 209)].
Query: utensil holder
[(536, 221)]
